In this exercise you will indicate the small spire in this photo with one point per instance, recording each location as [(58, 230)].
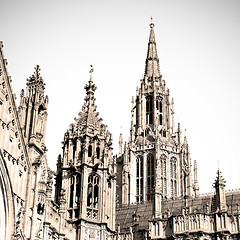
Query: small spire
[(219, 180), (196, 187), (185, 137), (120, 141)]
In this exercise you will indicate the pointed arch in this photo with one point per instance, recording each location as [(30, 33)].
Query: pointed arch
[(93, 191), (173, 176), (163, 161), (98, 152), (139, 179), (150, 176), (149, 110), (90, 151), (7, 211)]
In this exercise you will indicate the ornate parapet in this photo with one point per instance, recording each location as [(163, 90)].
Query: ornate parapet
[(194, 224)]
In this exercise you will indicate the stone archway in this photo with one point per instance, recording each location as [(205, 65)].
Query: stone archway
[(7, 218)]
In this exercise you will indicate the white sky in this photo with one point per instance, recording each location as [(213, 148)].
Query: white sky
[(198, 46)]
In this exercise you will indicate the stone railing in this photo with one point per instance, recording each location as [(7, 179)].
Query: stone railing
[(193, 223)]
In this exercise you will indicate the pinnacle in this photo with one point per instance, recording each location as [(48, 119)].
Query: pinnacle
[(219, 180), (36, 75)]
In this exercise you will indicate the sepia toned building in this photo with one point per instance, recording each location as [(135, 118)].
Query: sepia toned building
[(149, 190)]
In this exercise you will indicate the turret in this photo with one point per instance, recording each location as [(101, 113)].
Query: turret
[(87, 170)]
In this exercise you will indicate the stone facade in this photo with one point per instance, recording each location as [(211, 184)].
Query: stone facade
[(147, 191)]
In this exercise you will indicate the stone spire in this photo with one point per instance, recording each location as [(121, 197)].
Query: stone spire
[(152, 60), (89, 119)]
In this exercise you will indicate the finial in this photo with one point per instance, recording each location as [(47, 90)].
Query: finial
[(218, 164), (91, 71), (36, 75), (37, 71), (151, 24), (90, 87)]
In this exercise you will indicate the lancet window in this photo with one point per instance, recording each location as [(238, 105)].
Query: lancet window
[(173, 175), (163, 160), (98, 152), (93, 196), (149, 110), (150, 176), (89, 150), (159, 110), (74, 197), (139, 179)]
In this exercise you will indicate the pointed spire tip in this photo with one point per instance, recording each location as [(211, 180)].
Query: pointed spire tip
[(151, 24)]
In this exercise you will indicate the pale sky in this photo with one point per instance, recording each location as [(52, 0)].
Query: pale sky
[(199, 51)]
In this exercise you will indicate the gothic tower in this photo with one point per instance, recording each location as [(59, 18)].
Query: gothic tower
[(156, 163), (32, 113), (87, 173)]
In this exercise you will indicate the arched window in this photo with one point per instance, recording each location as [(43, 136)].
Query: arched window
[(163, 160), (173, 176), (159, 110), (149, 110), (93, 196), (150, 176), (160, 120), (72, 180), (139, 179), (74, 196), (40, 208), (164, 133), (78, 190), (89, 150), (159, 104), (98, 152)]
